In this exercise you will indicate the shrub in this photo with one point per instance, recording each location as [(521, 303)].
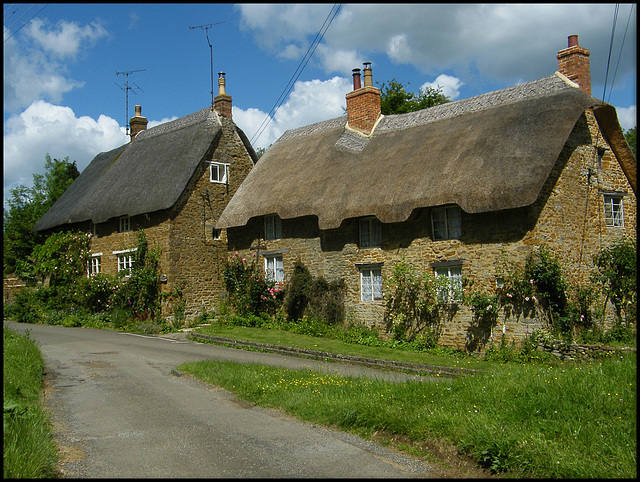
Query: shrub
[(249, 292)]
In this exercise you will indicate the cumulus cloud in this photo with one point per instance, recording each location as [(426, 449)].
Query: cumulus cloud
[(309, 102), (35, 67), (450, 85), (627, 117), (54, 130), (496, 41)]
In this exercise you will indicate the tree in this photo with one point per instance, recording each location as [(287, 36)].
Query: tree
[(394, 99), (27, 205), (630, 136)]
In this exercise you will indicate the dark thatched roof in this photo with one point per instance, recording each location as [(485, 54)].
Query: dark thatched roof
[(486, 153), (146, 175)]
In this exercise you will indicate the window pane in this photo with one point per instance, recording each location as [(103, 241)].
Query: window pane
[(377, 284), (365, 285), (376, 233), (364, 233)]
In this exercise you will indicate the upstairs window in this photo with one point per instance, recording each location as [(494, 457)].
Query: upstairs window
[(370, 232), (613, 211), (219, 172), (125, 224), (449, 282), (272, 227), (445, 223), (273, 268), (371, 284)]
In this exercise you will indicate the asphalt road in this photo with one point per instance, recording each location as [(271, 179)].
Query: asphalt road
[(119, 410)]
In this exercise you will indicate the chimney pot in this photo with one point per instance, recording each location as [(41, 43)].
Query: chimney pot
[(573, 62), (137, 123), (368, 75), (222, 101), (356, 79)]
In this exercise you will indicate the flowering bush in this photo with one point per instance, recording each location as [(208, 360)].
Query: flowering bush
[(62, 258), (249, 292), (413, 303)]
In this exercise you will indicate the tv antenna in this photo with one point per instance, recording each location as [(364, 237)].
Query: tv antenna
[(206, 31), (126, 89)]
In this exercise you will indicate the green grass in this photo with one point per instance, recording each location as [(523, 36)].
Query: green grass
[(532, 420), (29, 450), (438, 356)]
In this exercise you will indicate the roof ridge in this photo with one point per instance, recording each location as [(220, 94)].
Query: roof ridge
[(197, 117)]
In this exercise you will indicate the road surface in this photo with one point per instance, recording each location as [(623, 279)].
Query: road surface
[(119, 410)]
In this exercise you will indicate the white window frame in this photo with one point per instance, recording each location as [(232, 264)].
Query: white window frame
[(454, 275), (370, 284), (272, 227), (125, 259), (370, 232), (613, 210), (95, 264), (446, 223), (124, 224), (219, 172), (273, 268)]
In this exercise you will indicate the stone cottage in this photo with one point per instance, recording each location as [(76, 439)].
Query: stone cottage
[(173, 181), (450, 189)]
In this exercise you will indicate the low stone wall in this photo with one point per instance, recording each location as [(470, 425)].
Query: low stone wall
[(575, 351), (11, 284)]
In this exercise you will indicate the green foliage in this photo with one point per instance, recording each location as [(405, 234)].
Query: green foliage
[(615, 271), (139, 292), (630, 136), (249, 292), (29, 450), (26, 206), (95, 293), (415, 302), (394, 99), (545, 272), (62, 258), (314, 297)]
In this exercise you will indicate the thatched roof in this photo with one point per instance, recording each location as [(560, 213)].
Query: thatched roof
[(486, 153), (146, 175)]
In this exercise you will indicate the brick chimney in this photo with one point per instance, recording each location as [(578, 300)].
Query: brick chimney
[(573, 63), (222, 101), (137, 123), (363, 104)]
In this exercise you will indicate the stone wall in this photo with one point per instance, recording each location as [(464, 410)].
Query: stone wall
[(567, 218), (191, 259), (575, 351)]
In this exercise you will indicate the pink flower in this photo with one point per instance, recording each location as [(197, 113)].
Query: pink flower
[(509, 295), (527, 298)]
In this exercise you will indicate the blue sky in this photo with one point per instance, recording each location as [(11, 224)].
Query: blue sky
[(62, 95)]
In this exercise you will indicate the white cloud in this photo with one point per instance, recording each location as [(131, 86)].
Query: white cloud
[(450, 85), (65, 39), (309, 102), (627, 117), (45, 128), (33, 67)]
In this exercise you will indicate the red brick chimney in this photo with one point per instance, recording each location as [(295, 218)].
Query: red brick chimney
[(573, 63), (222, 101), (363, 104), (137, 123)]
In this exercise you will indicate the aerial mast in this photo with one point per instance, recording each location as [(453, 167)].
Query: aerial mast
[(126, 89), (206, 31)]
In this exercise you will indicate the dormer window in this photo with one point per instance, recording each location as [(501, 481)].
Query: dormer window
[(124, 225), (272, 227), (370, 232), (219, 172), (446, 223)]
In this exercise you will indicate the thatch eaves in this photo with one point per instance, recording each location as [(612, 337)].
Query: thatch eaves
[(144, 176), (487, 153)]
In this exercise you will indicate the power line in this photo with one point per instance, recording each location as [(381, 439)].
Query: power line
[(303, 63), (620, 54), (23, 23)]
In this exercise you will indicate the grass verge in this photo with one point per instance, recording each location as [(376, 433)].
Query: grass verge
[(569, 419), (29, 450), (438, 356)]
